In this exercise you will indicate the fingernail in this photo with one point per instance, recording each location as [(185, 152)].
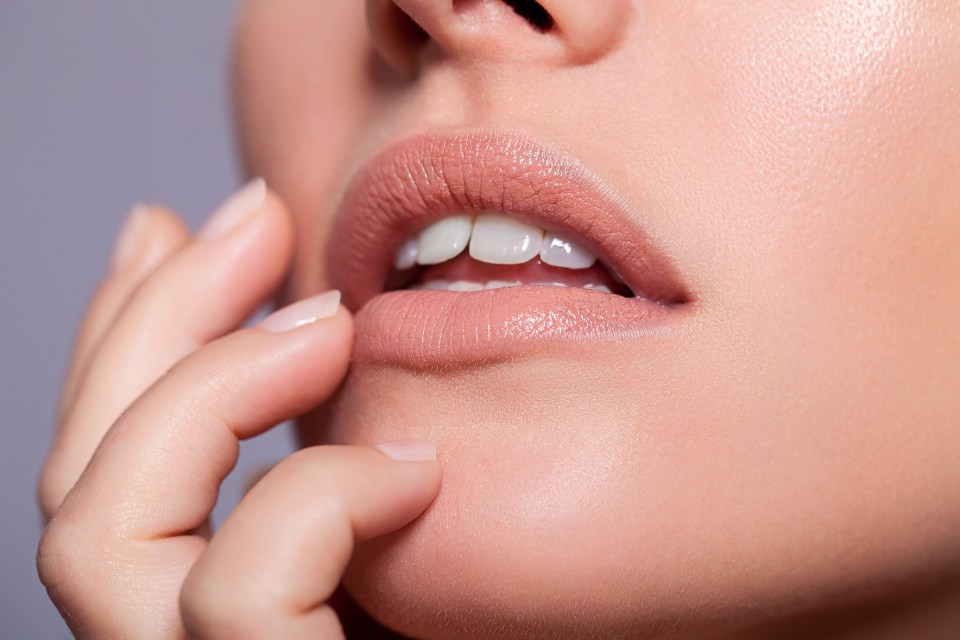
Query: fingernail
[(302, 313), (235, 210), (409, 450), (130, 239)]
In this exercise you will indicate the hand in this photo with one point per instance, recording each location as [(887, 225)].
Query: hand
[(157, 397)]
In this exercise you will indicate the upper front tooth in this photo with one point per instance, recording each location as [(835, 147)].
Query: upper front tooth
[(444, 240), (501, 239), (406, 255), (560, 252)]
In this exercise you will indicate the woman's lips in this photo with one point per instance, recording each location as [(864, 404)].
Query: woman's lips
[(419, 180), (439, 329)]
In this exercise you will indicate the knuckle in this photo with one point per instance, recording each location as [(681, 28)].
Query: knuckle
[(60, 561), (72, 555)]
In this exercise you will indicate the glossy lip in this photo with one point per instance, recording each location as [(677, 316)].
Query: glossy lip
[(424, 178)]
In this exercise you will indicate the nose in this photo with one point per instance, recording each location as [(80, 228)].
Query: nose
[(551, 32)]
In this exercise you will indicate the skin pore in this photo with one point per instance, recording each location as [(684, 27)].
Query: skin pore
[(789, 447)]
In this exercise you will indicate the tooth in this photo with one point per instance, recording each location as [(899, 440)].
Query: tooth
[(444, 240), (548, 284), (499, 239), (597, 287), (465, 285), (560, 252), (500, 284), (435, 285), (406, 255)]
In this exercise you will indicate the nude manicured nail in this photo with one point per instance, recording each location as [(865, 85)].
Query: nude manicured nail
[(409, 450), (235, 210), (131, 238), (302, 313)]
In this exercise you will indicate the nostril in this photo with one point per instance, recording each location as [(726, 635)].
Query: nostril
[(402, 30), (533, 12)]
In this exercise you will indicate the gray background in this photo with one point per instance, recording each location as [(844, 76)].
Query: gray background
[(102, 103)]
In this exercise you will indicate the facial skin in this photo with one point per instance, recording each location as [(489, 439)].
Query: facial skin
[(791, 445)]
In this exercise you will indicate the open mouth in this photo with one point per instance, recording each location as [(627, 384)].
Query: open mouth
[(486, 250), (470, 247)]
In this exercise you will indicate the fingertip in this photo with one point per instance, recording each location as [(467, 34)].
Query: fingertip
[(303, 312), (166, 222), (253, 210), (149, 235), (276, 209), (335, 343), (265, 239), (234, 211), (169, 233), (402, 482)]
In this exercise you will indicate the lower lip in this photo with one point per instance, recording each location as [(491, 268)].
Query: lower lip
[(441, 329)]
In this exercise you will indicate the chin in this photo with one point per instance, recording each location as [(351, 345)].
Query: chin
[(528, 531)]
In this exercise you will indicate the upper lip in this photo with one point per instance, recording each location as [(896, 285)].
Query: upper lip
[(421, 179)]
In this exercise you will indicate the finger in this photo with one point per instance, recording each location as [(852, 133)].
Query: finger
[(149, 236), (115, 554), (204, 291), (278, 558), (255, 476)]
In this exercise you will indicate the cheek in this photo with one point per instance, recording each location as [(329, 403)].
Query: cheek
[(830, 221), (819, 149), (823, 143), (838, 180)]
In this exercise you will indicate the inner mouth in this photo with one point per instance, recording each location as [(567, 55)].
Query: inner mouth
[(482, 250)]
